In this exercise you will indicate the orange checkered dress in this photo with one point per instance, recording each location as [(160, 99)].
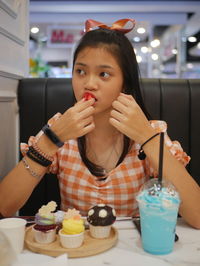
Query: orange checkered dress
[(80, 189)]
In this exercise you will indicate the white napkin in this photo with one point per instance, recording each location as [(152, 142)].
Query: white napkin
[(30, 259)]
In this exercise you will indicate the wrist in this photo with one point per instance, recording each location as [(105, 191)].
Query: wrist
[(52, 136), (46, 145), (148, 134), (141, 154)]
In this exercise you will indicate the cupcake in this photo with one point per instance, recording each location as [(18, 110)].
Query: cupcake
[(72, 232), (59, 216), (45, 226), (100, 218)]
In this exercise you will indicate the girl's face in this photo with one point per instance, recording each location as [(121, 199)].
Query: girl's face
[(98, 72)]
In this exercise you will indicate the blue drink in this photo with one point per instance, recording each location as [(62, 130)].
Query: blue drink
[(158, 206)]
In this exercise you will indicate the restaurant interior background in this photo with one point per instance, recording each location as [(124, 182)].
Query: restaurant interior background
[(166, 38), (173, 56)]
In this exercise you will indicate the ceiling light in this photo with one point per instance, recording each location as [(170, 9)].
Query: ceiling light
[(155, 43), (174, 51), (154, 57), (141, 30), (34, 30), (144, 49), (192, 39), (139, 58), (198, 45), (136, 39)]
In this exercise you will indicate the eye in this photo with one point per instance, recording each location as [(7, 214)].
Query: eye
[(79, 71), (105, 74)]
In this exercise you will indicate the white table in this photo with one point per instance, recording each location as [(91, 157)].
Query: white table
[(128, 250)]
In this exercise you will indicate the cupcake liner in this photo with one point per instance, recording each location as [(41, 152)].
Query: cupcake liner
[(71, 241), (44, 228), (44, 237), (100, 231)]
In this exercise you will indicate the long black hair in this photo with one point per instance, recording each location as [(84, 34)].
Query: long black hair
[(120, 47)]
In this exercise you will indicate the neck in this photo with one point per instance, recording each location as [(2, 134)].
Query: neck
[(103, 128)]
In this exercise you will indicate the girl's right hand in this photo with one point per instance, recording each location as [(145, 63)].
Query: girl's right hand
[(76, 121)]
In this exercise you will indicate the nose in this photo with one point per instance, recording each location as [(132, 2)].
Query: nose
[(91, 83)]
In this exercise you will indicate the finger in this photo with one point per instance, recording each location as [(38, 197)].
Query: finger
[(117, 115), (117, 125), (128, 96), (86, 112), (125, 100), (82, 104), (88, 129), (120, 107), (87, 121)]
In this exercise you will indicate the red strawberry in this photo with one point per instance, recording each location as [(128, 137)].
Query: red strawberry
[(87, 96)]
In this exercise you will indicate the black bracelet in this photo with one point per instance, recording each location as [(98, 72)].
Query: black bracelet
[(142, 154), (37, 157), (52, 136)]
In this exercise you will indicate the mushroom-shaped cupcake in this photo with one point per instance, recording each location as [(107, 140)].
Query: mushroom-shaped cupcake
[(100, 219)]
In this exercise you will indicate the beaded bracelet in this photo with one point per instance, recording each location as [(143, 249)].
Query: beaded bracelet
[(48, 157), (37, 157), (30, 170), (142, 154)]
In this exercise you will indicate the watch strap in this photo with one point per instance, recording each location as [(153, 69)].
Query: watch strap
[(52, 136)]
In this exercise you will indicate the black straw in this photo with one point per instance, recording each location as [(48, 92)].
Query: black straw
[(160, 170)]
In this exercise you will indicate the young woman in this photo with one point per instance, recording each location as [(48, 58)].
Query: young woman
[(102, 135)]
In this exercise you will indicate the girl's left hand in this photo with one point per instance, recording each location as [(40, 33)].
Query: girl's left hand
[(129, 119)]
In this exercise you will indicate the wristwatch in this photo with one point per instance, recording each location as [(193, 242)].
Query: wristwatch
[(52, 136)]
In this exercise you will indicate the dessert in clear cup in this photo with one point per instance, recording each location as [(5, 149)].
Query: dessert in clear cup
[(44, 229), (72, 233), (100, 218), (158, 205)]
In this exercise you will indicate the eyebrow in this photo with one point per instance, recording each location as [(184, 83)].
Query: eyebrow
[(99, 66)]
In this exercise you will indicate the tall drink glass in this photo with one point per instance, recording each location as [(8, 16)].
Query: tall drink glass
[(158, 207)]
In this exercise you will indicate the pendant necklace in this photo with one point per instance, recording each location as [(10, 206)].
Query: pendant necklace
[(106, 161)]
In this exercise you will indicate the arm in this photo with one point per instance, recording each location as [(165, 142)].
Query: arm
[(128, 118), (17, 186)]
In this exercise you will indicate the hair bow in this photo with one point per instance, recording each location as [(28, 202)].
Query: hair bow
[(118, 25)]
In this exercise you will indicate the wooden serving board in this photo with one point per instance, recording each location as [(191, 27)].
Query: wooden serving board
[(91, 246)]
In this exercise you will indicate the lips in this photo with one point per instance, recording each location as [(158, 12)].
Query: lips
[(87, 96)]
